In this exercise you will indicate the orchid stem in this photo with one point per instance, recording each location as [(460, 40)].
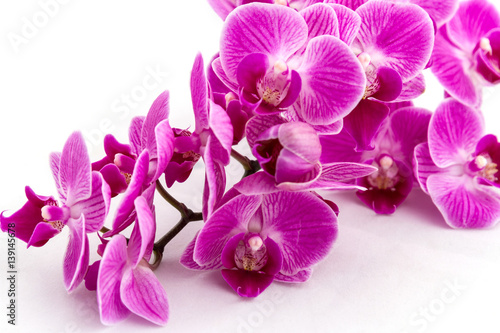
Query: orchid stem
[(171, 200), (250, 166), (159, 246)]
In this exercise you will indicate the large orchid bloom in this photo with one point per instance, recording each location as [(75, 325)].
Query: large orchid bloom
[(458, 167), (84, 203), (212, 137), (394, 45), (260, 238), (274, 58), (126, 284), (392, 155), (466, 54), (151, 149)]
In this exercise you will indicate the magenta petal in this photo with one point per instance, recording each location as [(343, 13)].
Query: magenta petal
[(302, 224), (74, 170), (114, 178), (143, 232), (440, 11), (390, 83), (472, 21), (259, 124), (338, 148), (227, 256), (488, 63), (27, 218), (227, 221), (158, 112), (274, 258), (301, 276), (351, 4), (293, 90), (91, 276), (164, 147), (135, 188), (222, 8), (76, 259), (412, 89), (454, 131), (219, 71), (385, 201), (199, 94), (222, 130), (424, 165), (455, 71), (364, 121), (96, 207), (251, 68), (349, 22), (258, 183), (333, 81), (247, 283), (215, 179), (321, 20), (463, 203), (188, 261), (135, 134), (410, 126), (42, 233), (276, 31), (55, 163), (111, 307), (396, 35), (143, 294)]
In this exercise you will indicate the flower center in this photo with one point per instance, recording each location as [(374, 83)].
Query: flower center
[(485, 45), (387, 175), (251, 253), (274, 85), (485, 167)]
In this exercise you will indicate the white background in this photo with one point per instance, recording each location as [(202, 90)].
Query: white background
[(75, 71)]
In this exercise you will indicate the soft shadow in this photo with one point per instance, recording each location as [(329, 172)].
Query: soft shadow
[(420, 205)]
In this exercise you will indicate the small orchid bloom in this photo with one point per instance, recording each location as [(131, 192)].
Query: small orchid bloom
[(257, 239), (278, 59), (126, 284), (117, 166), (392, 155), (84, 204), (458, 167), (290, 152), (152, 141), (466, 54), (212, 137)]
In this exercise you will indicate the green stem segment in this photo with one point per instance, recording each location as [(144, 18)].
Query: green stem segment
[(250, 166), (187, 215)]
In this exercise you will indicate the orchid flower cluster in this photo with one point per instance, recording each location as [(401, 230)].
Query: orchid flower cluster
[(322, 92)]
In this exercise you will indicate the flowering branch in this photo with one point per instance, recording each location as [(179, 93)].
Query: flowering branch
[(250, 166)]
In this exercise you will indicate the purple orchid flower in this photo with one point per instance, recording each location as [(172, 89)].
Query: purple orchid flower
[(277, 59), (394, 45), (84, 198), (466, 54), (126, 283), (458, 167), (257, 239), (152, 141), (392, 155), (212, 137)]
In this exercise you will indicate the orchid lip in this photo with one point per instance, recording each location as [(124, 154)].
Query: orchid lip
[(251, 253), (274, 85), (387, 175)]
